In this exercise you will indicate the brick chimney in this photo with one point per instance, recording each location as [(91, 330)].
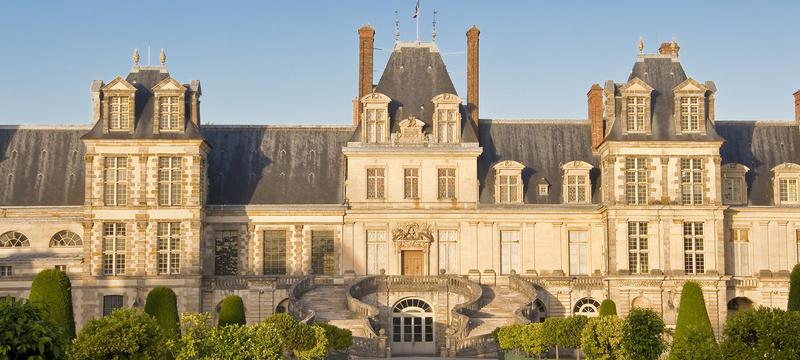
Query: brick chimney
[(472, 74), (595, 101), (797, 107), (366, 45)]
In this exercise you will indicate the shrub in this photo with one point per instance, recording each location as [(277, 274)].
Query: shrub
[(608, 308), (553, 333), (693, 323), (762, 334), (794, 289), (695, 346), (642, 338), (125, 334), (27, 332), (571, 336), (231, 311), (528, 338), (509, 337), (53, 290), (601, 338), (320, 348), (162, 304), (295, 336), (338, 339)]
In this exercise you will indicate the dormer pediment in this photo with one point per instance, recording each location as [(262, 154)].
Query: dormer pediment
[(786, 168), (734, 168), (508, 165), (446, 99), (691, 86), (119, 84), (636, 85), (169, 85), (576, 165), (376, 98)]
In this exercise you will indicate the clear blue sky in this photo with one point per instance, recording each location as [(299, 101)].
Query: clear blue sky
[(258, 61)]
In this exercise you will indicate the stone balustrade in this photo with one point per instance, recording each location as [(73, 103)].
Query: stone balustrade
[(295, 308)]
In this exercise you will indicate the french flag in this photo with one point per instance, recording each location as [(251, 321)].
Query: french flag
[(416, 11)]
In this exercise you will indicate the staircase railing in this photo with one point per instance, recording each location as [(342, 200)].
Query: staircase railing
[(524, 313), (459, 322), (295, 308)]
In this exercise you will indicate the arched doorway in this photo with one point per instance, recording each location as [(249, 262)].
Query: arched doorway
[(412, 327), (282, 306), (540, 312), (738, 304), (586, 307)]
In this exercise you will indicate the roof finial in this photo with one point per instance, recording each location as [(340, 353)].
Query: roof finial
[(396, 27), (433, 33), (674, 44), (163, 57), (135, 57), (641, 45)]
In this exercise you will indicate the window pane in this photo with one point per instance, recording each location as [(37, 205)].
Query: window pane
[(322, 256), (275, 252)]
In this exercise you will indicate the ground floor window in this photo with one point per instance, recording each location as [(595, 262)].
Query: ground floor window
[(587, 307), (412, 321), (322, 256), (111, 303), (448, 251)]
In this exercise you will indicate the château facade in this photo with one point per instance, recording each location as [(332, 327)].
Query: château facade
[(420, 226)]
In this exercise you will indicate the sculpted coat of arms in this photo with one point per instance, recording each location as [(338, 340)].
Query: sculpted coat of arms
[(413, 235)]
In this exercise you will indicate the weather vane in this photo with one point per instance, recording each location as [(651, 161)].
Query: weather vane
[(433, 33), (396, 27)]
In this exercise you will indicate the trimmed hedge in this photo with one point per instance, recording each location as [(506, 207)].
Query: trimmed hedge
[(608, 308), (794, 289), (338, 339), (125, 334), (162, 304), (52, 289), (694, 326), (231, 311)]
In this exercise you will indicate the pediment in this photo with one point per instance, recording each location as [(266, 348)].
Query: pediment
[(577, 165), (375, 97), (169, 84), (508, 165), (636, 85), (690, 85), (446, 98), (734, 168), (786, 167), (119, 84)]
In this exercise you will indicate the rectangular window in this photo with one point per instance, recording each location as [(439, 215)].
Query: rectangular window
[(376, 185), (690, 114), (169, 181), (116, 181), (543, 189), (579, 253), (120, 113), (169, 248), (114, 235), (576, 189), (226, 252), (448, 251), (376, 251), (411, 183), (509, 188), (788, 190), (111, 303), (61, 268), (169, 112), (692, 181), (636, 181), (322, 256), (447, 184), (447, 122), (694, 261), (732, 190), (509, 240), (636, 113), (741, 251), (637, 248), (5, 271), (375, 123), (275, 252)]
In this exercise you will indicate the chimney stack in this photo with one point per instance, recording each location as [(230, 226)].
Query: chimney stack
[(366, 45), (472, 74), (595, 101), (797, 107), (96, 97)]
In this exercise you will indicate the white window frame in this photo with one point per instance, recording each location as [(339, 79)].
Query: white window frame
[(691, 113), (411, 183), (543, 190), (113, 247), (638, 247), (740, 239), (694, 247), (169, 248), (448, 250), (636, 113), (637, 183), (692, 181), (169, 113), (119, 113), (510, 251), (446, 183), (447, 118), (578, 252), (6, 271), (115, 181), (375, 122), (376, 183), (376, 251), (170, 180), (577, 189), (788, 190)]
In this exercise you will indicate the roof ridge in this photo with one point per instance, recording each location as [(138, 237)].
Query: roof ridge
[(534, 121), (774, 122), (45, 127), (279, 127)]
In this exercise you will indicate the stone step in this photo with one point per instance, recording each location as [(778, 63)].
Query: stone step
[(499, 304)]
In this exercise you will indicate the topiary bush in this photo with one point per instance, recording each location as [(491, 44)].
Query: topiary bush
[(571, 336), (762, 334), (608, 308), (553, 333), (794, 289), (125, 334), (162, 304), (27, 332), (231, 311), (320, 348), (643, 335), (338, 339), (601, 338), (693, 325), (295, 336), (52, 289)]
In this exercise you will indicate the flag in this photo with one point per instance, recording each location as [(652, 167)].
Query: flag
[(416, 11)]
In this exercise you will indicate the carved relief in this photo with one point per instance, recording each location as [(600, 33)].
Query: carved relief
[(412, 235), (411, 131)]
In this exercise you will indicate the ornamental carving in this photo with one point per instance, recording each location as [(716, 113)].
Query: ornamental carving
[(411, 131), (412, 235)]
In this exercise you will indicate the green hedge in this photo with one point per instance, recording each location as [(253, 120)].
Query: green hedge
[(162, 304), (794, 289), (231, 311), (338, 339), (125, 334), (608, 308), (693, 330), (52, 289)]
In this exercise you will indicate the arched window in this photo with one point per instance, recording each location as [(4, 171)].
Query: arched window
[(412, 305), (14, 239), (66, 238), (412, 326), (586, 306)]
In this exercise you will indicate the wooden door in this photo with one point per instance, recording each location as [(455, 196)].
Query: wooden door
[(413, 262)]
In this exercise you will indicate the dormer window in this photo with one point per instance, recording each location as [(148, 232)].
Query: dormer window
[(375, 118), (636, 99), (734, 187), (169, 113), (118, 106), (119, 113), (170, 106), (690, 106), (447, 119), (786, 184), (543, 189), (508, 182), (577, 187), (636, 113), (690, 114)]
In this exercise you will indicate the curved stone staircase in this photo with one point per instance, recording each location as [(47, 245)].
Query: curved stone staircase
[(499, 305), (329, 302)]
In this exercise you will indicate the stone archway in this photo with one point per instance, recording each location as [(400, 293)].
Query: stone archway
[(738, 304), (640, 302)]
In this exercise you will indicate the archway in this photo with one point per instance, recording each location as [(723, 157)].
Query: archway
[(412, 327), (640, 302), (738, 304)]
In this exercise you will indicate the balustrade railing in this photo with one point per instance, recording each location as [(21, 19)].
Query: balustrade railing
[(237, 282), (295, 308), (524, 313)]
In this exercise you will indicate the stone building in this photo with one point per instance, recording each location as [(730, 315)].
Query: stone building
[(420, 226)]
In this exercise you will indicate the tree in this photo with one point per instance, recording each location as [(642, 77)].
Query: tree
[(52, 289), (642, 338), (794, 289), (27, 332), (693, 324), (231, 311), (532, 340), (601, 338), (608, 308), (162, 304), (125, 334), (762, 334), (571, 335)]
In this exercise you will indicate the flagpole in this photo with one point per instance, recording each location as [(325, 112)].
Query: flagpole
[(417, 18)]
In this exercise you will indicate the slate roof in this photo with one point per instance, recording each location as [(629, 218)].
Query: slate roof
[(663, 74), (144, 80), (41, 166), (542, 146), (276, 164), (759, 145), (414, 75)]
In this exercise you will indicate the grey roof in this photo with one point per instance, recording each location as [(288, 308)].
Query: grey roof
[(760, 146), (414, 75), (663, 74), (542, 146), (276, 164), (41, 166), (144, 79)]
